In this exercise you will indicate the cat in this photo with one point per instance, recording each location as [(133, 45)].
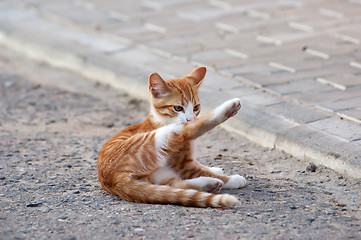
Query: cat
[(152, 162)]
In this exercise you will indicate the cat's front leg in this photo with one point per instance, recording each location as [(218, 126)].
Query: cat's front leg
[(198, 127)]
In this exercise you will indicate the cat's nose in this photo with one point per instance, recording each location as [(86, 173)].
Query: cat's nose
[(190, 117)]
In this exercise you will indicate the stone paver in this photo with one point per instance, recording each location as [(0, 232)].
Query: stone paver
[(297, 54), (296, 113), (339, 127)]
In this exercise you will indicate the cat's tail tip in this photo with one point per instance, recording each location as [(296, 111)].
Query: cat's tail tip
[(224, 201), (229, 201)]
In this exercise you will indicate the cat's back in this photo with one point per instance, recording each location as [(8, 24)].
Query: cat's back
[(141, 128), (120, 150), (126, 138)]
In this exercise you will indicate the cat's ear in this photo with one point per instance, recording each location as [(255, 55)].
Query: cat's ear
[(197, 75), (157, 86)]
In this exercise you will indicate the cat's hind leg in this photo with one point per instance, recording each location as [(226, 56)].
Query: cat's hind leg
[(191, 169), (235, 181), (206, 184), (167, 176), (216, 170)]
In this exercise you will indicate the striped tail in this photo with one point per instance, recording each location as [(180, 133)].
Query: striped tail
[(142, 192)]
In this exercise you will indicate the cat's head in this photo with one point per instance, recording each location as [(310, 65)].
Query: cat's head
[(176, 100)]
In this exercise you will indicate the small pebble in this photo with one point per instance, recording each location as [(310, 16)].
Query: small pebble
[(311, 168), (37, 86), (8, 84), (36, 203), (45, 210)]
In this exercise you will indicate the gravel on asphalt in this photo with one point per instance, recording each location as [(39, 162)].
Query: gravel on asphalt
[(52, 125)]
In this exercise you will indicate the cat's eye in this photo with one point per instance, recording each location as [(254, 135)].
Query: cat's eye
[(196, 108), (178, 108)]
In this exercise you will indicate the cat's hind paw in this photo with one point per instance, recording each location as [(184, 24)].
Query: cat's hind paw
[(214, 187), (235, 181), (207, 184)]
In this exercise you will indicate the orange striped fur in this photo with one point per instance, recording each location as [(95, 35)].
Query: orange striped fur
[(152, 162)]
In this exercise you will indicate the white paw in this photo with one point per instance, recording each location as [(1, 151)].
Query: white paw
[(236, 181), (216, 170), (227, 109), (207, 184)]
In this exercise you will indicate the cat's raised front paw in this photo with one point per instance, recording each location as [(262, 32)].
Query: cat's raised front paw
[(227, 109), (235, 181), (233, 108)]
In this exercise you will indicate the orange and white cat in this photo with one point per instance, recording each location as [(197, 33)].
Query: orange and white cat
[(152, 162)]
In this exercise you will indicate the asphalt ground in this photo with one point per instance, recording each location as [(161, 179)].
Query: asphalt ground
[(294, 64), (52, 125)]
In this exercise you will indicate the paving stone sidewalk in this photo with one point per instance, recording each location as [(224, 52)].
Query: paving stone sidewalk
[(296, 64)]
